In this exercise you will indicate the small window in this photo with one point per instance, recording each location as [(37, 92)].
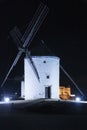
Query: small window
[(44, 61), (47, 76)]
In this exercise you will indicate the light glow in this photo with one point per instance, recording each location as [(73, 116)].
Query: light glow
[(6, 99), (78, 99)]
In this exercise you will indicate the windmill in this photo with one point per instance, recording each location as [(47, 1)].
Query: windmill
[(41, 80), (24, 41)]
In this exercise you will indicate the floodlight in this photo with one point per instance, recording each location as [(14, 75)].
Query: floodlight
[(6, 99), (78, 99)]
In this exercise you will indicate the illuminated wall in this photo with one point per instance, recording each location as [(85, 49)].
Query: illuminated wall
[(22, 89), (48, 70)]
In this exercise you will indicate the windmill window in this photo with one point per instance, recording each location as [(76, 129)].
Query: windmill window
[(44, 61), (47, 76)]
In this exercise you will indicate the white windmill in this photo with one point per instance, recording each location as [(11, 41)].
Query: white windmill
[(41, 73)]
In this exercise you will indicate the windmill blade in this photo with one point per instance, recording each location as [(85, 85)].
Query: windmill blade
[(14, 63), (17, 31), (27, 53), (32, 22), (28, 36), (31, 29), (16, 36), (38, 21), (32, 64)]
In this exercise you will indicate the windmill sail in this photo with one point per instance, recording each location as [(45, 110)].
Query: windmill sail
[(16, 36), (29, 34), (14, 63), (42, 9), (35, 27), (32, 64)]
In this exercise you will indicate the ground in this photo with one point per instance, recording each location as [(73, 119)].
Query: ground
[(44, 116)]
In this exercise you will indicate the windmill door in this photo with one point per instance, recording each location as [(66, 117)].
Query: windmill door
[(48, 92)]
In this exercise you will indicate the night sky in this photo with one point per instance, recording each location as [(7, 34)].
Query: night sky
[(64, 32)]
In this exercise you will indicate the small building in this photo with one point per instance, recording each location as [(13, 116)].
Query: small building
[(48, 70), (65, 93)]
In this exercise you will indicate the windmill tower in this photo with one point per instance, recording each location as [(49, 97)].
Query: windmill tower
[(48, 70), (41, 73)]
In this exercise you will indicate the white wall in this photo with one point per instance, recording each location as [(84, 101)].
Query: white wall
[(22, 89), (32, 85), (48, 69)]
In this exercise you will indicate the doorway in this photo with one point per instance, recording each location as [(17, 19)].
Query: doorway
[(48, 92)]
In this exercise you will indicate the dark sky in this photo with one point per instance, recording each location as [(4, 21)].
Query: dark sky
[(64, 32)]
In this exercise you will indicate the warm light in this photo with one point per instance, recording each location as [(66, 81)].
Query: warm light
[(6, 99), (78, 99)]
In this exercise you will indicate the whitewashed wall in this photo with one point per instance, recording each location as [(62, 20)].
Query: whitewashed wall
[(48, 69), (22, 89)]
